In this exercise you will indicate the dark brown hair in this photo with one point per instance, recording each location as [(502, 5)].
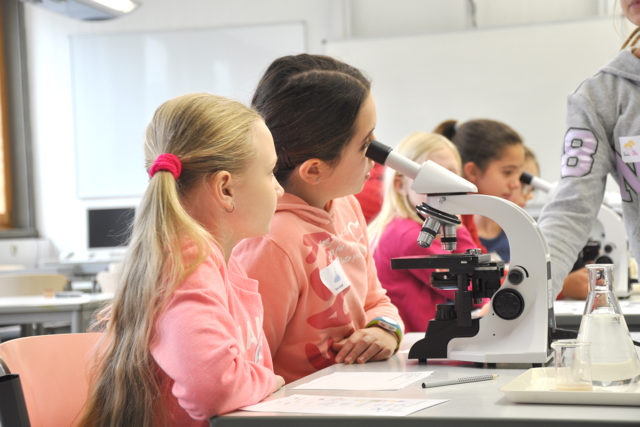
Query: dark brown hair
[(479, 141), (310, 104)]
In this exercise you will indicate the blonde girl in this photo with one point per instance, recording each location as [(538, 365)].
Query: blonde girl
[(182, 340)]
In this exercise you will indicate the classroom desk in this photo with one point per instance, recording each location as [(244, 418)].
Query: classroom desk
[(39, 309), (473, 404), (569, 312)]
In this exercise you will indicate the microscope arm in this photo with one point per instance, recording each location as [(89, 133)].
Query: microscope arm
[(528, 285)]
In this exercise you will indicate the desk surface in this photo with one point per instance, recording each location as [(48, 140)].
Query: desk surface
[(569, 312), (42, 303), (79, 311), (473, 404)]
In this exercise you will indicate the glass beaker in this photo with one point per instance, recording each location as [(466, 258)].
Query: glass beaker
[(572, 360), (614, 360)]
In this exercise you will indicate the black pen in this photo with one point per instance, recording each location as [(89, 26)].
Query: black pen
[(461, 380)]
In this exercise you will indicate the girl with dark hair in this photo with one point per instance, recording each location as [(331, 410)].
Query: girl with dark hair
[(323, 301)]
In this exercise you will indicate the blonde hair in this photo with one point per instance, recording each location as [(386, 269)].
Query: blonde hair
[(208, 134), (633, 39), (418, 145)]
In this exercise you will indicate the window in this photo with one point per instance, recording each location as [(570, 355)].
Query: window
[(17, 213), (5, 178)]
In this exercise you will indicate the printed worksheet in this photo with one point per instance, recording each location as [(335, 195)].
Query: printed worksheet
[(344, 405), (364, 381)]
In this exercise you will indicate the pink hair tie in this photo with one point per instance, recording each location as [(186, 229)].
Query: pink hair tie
[(166, 162)]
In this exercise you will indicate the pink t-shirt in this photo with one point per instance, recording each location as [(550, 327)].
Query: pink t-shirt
[(209, 344), (303, 317), (410, 290)]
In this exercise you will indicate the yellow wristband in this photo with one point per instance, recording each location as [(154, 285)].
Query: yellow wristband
[(389, 325)]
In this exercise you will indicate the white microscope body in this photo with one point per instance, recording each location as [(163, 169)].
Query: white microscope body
[(516, 327)]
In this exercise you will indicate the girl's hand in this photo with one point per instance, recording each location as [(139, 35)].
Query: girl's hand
[(480, 312), (279, 383), (364, 345), (576, 284)]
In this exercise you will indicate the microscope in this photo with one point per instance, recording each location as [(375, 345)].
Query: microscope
[(607, 244), (517, 325)]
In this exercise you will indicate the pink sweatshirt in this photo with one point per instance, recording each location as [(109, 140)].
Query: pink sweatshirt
[(209, 344), (303, 318), (411, 290)]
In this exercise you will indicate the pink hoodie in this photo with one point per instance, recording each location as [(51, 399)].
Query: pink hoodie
[(209, 344), (303, 318)]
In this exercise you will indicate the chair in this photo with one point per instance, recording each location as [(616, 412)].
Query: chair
[(21, 284), (108, 279), (54, 372), (31, 284)]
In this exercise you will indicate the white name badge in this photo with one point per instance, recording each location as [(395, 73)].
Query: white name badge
[(334, 278), (630, 148)]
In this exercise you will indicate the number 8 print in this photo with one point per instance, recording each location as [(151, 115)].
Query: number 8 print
[(579, 147)]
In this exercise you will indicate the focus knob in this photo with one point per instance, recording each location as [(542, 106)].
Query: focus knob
[(508, 303), (446, 312), (516, 275)]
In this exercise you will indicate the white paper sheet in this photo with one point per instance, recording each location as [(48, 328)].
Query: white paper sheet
[(344, 405), (364, 381)]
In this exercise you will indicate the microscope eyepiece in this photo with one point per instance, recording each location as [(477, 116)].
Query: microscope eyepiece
[(378, 152), (526, 178), (535, 182)]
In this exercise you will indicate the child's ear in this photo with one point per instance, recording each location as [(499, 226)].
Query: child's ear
[(471, 172), (221, 186), (398, 184), (312, 171)]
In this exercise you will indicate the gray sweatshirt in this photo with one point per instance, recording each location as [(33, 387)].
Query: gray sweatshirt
[(603, 137)]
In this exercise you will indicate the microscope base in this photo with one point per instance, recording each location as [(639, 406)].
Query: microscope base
[(439, 333)]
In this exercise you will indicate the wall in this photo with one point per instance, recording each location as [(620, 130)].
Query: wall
[(61, 214), (519, 75)]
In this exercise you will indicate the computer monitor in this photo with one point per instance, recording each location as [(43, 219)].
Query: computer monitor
[(109, 229)]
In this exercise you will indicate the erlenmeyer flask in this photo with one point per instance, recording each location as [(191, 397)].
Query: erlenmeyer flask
[(614, 360)]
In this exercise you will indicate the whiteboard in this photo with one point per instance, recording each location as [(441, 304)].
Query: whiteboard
[(518, 75), (118, 81)]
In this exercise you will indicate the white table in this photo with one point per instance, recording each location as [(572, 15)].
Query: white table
[(78, 310), (473, 404), (569, 312)]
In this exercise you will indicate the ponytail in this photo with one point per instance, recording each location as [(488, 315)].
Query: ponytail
[(448, 129)]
